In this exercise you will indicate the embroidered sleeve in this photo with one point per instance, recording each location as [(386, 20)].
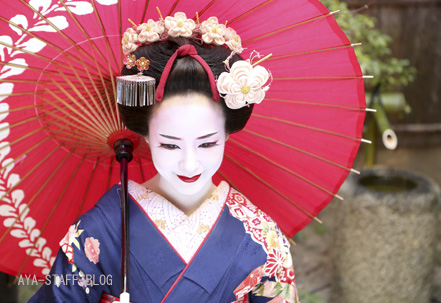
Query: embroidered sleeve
[(274, 281), (76, 273)]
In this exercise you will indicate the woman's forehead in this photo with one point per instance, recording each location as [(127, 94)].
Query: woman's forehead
[(192, 114)]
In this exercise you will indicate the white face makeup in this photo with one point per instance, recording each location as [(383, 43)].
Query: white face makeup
[(187, 140)]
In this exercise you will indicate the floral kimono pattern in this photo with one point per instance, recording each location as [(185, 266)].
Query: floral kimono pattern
[(243, 258)]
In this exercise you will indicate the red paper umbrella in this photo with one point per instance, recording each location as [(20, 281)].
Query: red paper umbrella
[(59, 60)]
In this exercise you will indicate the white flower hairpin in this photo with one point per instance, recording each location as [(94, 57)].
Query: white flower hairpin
[(208, 32), (244, 84)]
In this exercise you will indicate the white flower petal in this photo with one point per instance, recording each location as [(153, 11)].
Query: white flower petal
[(59, 21), (19, 20)]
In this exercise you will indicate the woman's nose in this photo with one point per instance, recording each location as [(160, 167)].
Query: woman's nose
[(190, 162)]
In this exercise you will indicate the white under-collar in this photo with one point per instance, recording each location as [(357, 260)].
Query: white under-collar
[(184, 233)]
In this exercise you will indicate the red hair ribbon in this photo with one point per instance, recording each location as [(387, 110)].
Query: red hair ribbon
[(186, 50)]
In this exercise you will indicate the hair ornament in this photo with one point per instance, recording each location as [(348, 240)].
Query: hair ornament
[(208, 32), (244, 83), (142, 64), (130, 61), (179, 25)]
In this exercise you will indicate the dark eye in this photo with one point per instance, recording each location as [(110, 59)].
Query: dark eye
[(208, 144), (169, 146)]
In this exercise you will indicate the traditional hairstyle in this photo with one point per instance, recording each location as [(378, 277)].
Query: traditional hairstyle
[(186, 76)]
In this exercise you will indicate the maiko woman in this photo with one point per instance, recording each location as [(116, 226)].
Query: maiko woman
[(191, 241)]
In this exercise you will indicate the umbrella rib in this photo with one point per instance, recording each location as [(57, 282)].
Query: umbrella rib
[(87, 188), (16, 109), (305, 126), (317, 104), (49, 60), (60, 50), (120, 28), (286, 27), (299, 150), (58, 131), (71, 137), (250, 11), (145, 10), (91, 41), (52, 211), (68, 105), (311, 51), (94, 51), (173, 7), (205, 8), (19, 182), (20, 157), (109, 176), (22, 138), (287, 170), (98, 17), (99, 154), (145, 157), (273, 188), (25, 81), (18, 123), (25, 94), (321, 78), (45, 72), (140, 169), (82, 123), (58, 30), (109, 127)]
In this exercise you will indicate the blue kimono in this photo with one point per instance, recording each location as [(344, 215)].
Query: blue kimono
[(244, 258)]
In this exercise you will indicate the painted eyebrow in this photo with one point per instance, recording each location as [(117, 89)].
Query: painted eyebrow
[(176, 138)]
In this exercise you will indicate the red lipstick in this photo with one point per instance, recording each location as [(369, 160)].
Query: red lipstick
[(189, 180)]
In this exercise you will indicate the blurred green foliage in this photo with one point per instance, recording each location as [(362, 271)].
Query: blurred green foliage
[(308, 297), (375, 55)]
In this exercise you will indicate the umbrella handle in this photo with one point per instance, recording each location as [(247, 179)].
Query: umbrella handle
[(123, 154)]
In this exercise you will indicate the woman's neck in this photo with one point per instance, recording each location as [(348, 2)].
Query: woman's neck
[(186, 203)]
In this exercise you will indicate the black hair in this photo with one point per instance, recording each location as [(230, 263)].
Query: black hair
[(186, 76)]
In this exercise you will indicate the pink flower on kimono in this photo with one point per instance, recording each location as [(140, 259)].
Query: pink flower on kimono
[(92, 249), (248, 284)]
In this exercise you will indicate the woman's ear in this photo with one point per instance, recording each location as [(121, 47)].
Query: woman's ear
[(146, 138), (226, 139)]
